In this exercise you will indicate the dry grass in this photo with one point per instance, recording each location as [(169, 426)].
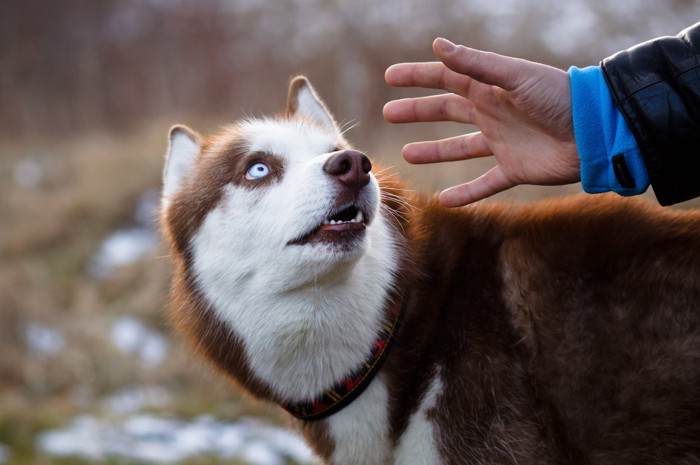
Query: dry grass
[(87, 187)]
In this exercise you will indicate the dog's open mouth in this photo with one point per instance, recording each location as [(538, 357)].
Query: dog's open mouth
[(350, 214), (341, 226)]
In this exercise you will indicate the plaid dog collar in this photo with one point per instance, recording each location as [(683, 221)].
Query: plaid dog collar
[(349, 388)]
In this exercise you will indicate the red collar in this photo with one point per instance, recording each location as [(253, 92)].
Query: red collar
[(349, 388)]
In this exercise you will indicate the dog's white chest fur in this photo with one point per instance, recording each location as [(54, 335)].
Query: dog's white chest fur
[(418, 444), (361, 431)]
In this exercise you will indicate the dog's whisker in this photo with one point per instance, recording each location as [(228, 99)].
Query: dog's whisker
[(348, 126)]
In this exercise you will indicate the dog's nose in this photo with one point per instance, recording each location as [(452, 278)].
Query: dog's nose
[(350, 167)]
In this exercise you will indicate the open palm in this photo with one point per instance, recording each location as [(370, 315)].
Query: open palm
[(523, 111)]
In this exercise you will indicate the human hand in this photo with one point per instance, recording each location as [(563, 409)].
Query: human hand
[(522, 108)]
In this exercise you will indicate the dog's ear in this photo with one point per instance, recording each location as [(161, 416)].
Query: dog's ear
[(180, 159), (304, 101)]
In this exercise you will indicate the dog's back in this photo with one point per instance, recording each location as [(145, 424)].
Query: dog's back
[(563, 332), (400, 332)]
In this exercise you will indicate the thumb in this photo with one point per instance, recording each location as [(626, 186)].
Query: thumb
[(486, 67)]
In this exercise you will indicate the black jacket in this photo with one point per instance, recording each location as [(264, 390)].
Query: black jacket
[(656, 85)]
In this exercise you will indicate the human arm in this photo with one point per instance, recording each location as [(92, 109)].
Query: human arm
[(646, 115)]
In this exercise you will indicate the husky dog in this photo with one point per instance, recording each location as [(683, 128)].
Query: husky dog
[(399, 332)]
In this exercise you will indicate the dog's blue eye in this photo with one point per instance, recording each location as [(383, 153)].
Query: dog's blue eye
[(257, 171)]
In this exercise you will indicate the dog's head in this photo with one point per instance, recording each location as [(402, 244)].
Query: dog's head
[(285, 191)]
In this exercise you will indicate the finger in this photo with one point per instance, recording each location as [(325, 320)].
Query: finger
[(453, 149), (430, 75), (413, 74), (490, 183), (447, 107), (487, 67)]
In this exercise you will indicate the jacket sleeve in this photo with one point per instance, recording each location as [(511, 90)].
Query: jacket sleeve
[(656, 86), (609, 155)]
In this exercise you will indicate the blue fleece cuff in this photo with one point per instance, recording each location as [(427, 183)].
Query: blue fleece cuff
[(602, 133)]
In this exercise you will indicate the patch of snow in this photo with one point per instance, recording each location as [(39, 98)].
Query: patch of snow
[(121, 248), (43, 340), (257, 452), (153, 439), (81, 439), (4, 454), (131, 336), (133, 400), (129, 245)]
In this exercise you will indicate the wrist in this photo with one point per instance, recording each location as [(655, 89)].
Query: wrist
[(609, 157)]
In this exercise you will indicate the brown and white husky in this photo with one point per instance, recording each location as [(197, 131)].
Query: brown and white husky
[(400, 332)]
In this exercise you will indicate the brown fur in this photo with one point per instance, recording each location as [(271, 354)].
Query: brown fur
[(568, 331)]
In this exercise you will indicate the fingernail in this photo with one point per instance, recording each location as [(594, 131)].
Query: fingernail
[(445, 45)]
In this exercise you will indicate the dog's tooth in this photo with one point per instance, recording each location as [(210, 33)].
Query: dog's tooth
[(359, 218)]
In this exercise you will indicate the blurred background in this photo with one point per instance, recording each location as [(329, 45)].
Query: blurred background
[(89, 371)]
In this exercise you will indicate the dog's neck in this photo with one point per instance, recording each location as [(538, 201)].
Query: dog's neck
[(342, 393)]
